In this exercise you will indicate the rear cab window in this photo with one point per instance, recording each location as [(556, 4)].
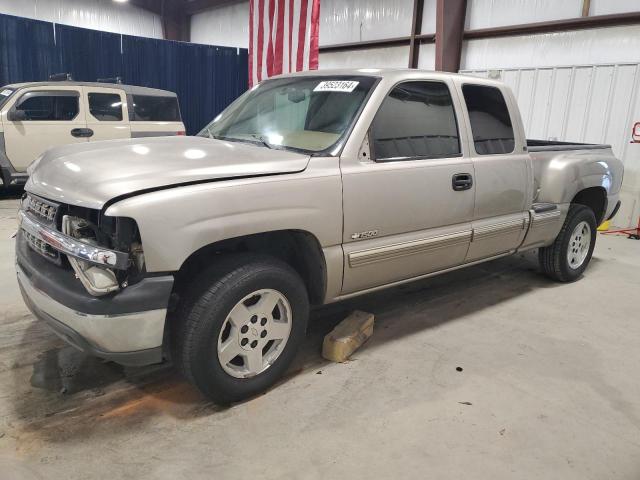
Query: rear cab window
[(416, 120), (490, 120), (152, 108), (105, 107)]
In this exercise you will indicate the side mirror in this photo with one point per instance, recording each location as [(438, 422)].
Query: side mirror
[(17, 115)]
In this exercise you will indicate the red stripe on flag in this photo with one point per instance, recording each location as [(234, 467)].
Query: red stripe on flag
[(277, 67), (290, 31), (272, 11), (302, 34), (315, 27), (260, 39), (251, 43)]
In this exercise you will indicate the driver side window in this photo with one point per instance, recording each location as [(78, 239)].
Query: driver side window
[(416, 121)]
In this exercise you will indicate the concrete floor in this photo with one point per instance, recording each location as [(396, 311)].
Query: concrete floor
[(548, 389)]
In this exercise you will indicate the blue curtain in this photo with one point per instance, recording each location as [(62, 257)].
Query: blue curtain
[(206, 78)]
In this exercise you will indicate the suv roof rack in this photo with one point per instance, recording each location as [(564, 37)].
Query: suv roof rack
[(117, 80), (60, 77)]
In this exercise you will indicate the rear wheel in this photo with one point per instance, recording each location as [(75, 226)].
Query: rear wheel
[(567, 258), (240, 325)]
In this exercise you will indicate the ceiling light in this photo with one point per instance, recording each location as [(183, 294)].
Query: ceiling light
[(121, 1)]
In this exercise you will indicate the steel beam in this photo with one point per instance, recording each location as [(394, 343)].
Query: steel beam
[(416, 27), (450, 15), (580, 23)]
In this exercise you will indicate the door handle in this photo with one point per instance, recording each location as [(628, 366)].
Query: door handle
[(461, 181), (82, 132)]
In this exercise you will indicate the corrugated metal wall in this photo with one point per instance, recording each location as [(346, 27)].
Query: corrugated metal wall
[(591, 104)]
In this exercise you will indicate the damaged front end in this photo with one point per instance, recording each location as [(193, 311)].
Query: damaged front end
[(83, 273), (104, 252)]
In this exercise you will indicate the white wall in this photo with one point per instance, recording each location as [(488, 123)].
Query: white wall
[(496, 13), (227, 26), (579, 47), (386, 57), (341, 21), (104, 15)]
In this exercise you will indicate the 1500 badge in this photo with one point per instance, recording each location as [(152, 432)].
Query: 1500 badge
[(367, 234)]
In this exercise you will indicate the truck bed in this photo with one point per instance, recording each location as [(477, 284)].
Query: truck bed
[(548, 145)]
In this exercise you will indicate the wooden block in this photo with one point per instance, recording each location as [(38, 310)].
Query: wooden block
[(347, 336)]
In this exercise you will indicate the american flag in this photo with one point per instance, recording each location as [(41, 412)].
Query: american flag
[(283, 37)]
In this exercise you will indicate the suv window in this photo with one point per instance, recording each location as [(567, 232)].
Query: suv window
[(416, 120), (149, 108), (105, 107), (490, 121), (58, 106)]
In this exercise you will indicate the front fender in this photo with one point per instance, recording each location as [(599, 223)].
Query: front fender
[(176, 222)]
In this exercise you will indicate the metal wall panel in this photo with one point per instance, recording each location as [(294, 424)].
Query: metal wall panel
[(590, 104), (607, 7), (102, 15), (340, 22), (496, 13), (227, 25), (368, 58), (580, 47), (356, 20)]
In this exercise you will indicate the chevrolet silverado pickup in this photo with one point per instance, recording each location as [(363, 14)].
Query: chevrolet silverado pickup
[(310, 188)]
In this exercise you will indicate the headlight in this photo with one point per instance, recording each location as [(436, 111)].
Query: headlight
[(97, 280)]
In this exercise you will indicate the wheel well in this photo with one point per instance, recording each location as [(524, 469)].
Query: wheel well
[(300, 249), (595, 198)]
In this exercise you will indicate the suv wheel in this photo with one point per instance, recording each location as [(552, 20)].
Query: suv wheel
[(239, 326), (567, 258)]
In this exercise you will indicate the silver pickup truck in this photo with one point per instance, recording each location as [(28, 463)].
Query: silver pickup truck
[(308, 189)]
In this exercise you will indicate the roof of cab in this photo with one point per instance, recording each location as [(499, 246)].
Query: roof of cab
[(128, 89), (396, 74)]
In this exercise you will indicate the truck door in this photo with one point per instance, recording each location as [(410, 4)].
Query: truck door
[(500, 162), (41, 118), (107, 114), (408, 205)]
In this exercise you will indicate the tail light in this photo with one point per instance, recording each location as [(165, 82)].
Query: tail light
[(181, 133)]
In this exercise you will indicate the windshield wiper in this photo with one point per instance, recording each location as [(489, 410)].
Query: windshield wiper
[(263, 140)]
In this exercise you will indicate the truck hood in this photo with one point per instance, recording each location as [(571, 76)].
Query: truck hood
[(91, 174)]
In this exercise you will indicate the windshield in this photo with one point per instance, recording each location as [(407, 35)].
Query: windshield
[(311, 114)]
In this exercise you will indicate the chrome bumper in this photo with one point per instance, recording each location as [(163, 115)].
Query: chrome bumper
[(72, 246), (130, 338)]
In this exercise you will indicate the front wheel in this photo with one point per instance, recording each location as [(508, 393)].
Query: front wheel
[(239, 326), (567, 258)]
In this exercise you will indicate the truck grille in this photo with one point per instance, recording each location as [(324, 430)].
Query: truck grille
[(42, 247), (44, 210)]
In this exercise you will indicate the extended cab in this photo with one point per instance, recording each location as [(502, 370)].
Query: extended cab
[(308, 189), (37, 116)]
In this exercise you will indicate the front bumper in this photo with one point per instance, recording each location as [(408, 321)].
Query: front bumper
[(126, 327)]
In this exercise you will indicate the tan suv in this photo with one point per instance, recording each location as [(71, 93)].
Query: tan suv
[(37, 116)]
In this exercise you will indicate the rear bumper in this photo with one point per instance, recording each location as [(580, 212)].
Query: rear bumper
[(615, 210), (127, 327)]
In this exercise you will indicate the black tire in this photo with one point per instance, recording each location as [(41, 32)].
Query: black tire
[(553, 259), (202, 312)]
